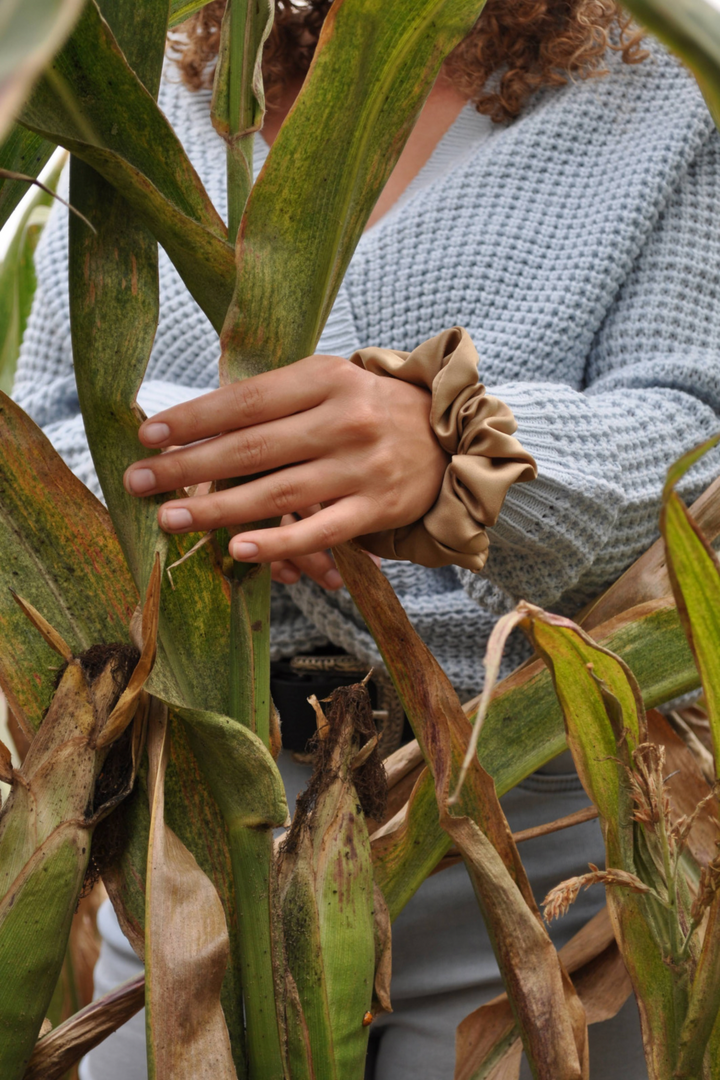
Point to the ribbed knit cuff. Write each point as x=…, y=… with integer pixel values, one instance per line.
x=551, y=529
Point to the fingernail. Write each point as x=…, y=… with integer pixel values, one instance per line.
x=333, y=580
x=176, y=519
x=156, y=433
x=244, y=550
x=290, y=577
x=140, y=480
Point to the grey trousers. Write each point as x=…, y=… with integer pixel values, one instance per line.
x=443, y=965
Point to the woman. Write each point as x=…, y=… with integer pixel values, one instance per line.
x=567, y=223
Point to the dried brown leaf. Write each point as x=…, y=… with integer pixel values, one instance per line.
x=485, y=1038
x=490, y=1034
x=186, y=945
x=509, y=1067
x=479, y=828
x=58, y=1051
x=124, y=711
x=383, y=953
x=55, y=640
x=7, y=773
x=402, y=762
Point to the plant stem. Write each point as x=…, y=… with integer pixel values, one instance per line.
x=240, y=144
x=249, y=648
x=702, y=1010
x=251, y=849
x=676, y=943
x=251, y=853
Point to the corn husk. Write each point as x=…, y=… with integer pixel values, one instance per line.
x=70, y=780
x=45, y=835
x=336, y=928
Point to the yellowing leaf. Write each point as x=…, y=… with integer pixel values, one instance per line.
x=533, y=975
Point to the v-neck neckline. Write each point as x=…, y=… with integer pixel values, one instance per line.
x=468, y=130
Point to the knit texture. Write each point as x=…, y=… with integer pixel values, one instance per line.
x=580, y=247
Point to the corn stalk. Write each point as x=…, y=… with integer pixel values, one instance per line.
x=292, y=966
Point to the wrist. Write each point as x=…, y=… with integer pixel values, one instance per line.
x=480, y=458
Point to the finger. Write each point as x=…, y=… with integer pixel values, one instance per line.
x=285, y=572
x=238, y=453
x=263, y=397
x=320, y=567
x=332, y=525
x=307, y=511
x=267, y=497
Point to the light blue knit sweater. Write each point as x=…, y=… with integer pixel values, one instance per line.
x=580, y=247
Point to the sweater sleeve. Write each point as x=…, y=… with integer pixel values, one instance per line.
x=652, y=391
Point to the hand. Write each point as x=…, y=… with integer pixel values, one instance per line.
x=324, y=432
x=320, y=566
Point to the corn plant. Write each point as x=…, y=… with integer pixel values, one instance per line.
x=146, y=698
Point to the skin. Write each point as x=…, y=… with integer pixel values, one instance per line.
x=340, y=446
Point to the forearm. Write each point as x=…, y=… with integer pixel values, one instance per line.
x=602, y=458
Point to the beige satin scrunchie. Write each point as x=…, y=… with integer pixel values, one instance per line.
x=477, y=430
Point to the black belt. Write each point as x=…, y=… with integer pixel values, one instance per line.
x=292, y=682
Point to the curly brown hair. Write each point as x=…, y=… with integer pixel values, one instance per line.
x=515, y=49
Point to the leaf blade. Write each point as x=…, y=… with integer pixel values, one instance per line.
x=534, y=977
x=79, y=581
x=374, y=65
x=31, y=36
x=187, y=946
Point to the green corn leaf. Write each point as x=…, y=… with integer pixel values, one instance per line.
x=605, y=721
x=248, y=789
x=31, y=35
x=113, y=311
x=92, y=102
x=69, y=565
x=403, y=859
x=524, y=729
x=46, y=895
x=241, y=772
x=692, y=29
x=17, y=280
x=113, y=317
x=374, y=66
x=589, y=683
x=180, y=10
x=238, y=104
x=21, y=151
x=695, y=576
